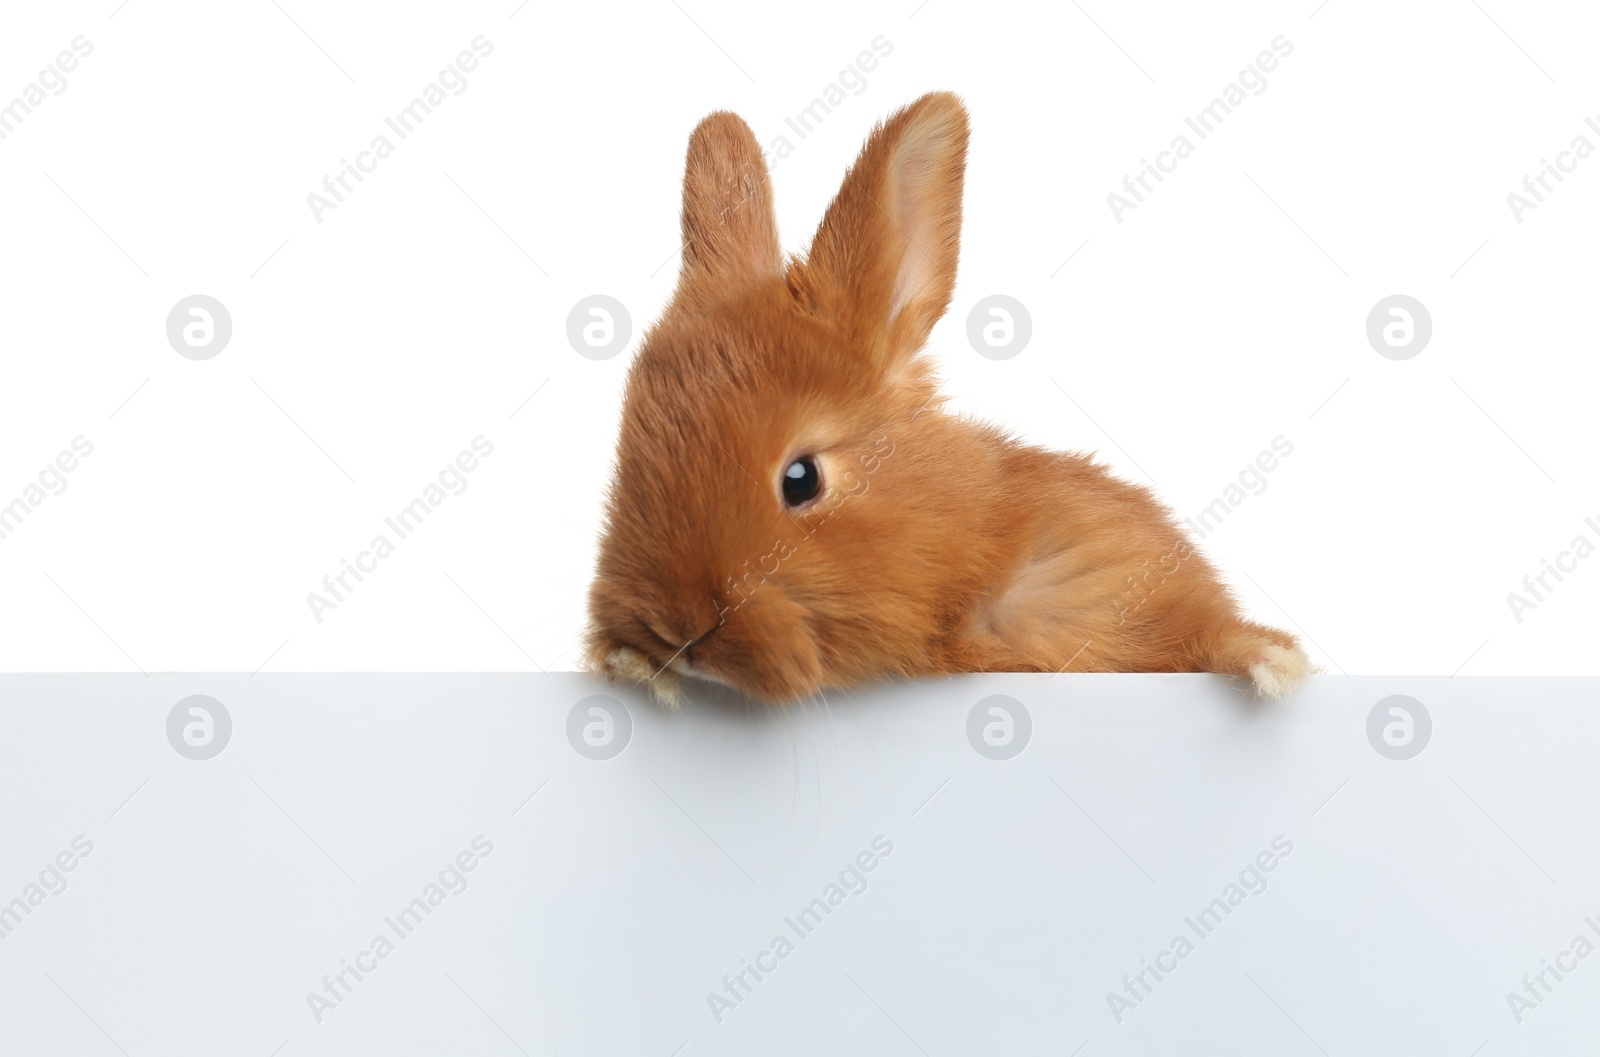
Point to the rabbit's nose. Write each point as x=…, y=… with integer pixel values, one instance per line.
x=688, y=649
x=678, y=644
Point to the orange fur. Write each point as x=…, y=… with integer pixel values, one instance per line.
x=939, y=545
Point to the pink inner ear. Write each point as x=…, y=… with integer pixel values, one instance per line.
x=912, y=276
x=914, y=213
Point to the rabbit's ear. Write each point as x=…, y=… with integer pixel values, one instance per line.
x=890, y=240
x=730, y=231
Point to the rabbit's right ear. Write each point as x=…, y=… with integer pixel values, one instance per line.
x=730, y=231
x=885, y=256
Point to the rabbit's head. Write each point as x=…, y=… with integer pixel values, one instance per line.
x=783, y=503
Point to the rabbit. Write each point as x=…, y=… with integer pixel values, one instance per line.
x=792, y=511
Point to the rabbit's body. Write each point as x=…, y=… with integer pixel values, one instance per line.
x=931, y=544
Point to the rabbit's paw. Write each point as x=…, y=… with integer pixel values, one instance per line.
x=628, y=664
x=1279, y=669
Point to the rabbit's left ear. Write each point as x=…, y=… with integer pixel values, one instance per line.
x=889, y=242
x=730, y=232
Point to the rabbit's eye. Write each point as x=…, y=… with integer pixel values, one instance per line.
x=801, y=481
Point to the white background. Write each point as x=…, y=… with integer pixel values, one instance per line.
x=369, y=348
x=430, y=307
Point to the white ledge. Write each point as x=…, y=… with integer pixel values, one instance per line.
x=984, y=905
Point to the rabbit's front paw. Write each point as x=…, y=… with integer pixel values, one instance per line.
x=1279, y=669
x=627, y=663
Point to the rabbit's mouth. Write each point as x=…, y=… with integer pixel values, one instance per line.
x=657, y=663
x=687, y=667
x=766, y=647
x=755, y=655
x=663, y=680
x=684, y=661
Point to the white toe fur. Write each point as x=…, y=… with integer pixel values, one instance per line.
x=1279, y=671
x=665, y=687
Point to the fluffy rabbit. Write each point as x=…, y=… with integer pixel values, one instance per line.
x=792, y=510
